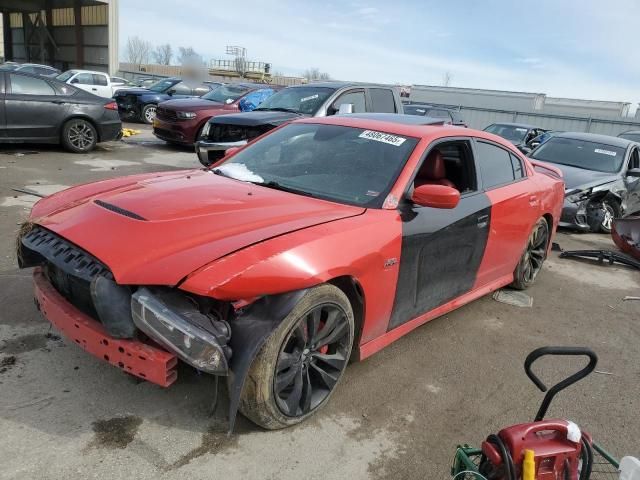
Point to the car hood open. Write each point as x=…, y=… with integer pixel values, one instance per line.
x=157, y=231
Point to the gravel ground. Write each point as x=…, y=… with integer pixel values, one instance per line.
x=399, y=414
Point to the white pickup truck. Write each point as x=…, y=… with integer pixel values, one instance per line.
x=98, y=83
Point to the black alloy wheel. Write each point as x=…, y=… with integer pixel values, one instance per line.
x=533, y=257
x=312, y=360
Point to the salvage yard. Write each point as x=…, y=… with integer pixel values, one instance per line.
x=398, y=414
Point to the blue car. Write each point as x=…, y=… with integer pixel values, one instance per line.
x=140, y=103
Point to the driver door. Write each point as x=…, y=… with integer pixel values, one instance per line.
x=633, y=183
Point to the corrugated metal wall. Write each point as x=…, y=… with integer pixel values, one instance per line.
x=481, y=118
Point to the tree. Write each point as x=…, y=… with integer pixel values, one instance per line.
x=447, y=78
x=188, y=56
x=315, y=74
x=138, y=50
x=163, y=54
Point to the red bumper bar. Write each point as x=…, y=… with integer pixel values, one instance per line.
x=134, y=357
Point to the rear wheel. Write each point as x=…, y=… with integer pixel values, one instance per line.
x=533, y=257
x=302, y=362
x=148, y=114
x=79, y=136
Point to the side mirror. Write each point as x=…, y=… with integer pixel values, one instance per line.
x=633, y=172
x=75, y=80
x=171, y=92
x=435, y=196
x=231, y=151
x=345, y=108
x=525, y=150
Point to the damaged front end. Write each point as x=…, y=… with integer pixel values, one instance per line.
x=585, y=210
x=142, y=329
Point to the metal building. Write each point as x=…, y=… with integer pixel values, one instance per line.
x=518, y=101
x=62, y=33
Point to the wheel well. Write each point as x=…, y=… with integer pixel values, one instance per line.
x=81, y=117
x=549, y=218
x=352, y=289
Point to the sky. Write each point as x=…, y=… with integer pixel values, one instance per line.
x=564, y=48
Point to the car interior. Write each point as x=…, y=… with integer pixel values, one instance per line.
x=449, y=164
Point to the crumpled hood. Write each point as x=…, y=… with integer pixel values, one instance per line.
x=581, y=178
x=192, y=104
x=257, y=117
x=156, y=231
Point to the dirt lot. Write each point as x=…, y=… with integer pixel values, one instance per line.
x=400, y=414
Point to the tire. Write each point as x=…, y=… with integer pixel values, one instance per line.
x=285, y=366
x=148, y=113
x=534, y=255
x=79, y=136
x=611, y=211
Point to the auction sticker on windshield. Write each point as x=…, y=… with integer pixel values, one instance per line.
x=605, y=152
x=382, y=137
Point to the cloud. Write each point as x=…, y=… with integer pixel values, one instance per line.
x=410, y=43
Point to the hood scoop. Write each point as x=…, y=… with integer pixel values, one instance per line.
x=114, y=208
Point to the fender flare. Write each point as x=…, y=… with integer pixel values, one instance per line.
x=249, y=331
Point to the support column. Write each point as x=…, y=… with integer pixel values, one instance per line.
x=49, y=26
x=25, y=32
x=8, y=40
x=77, y=13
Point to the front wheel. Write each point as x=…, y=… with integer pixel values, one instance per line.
x=302, y=362
x=148, y=114
x=611, y=211
x=79, y=136
x=533, y=257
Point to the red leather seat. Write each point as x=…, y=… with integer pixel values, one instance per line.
x=433, y=171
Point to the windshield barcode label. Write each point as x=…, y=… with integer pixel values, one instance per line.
x=382, y=137
x=605, y=152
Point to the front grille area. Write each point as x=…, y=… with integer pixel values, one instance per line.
x=166, y=114
x=69, y=268
x=233, y=133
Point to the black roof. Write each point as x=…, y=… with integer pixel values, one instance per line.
x=594, y=137
x=398, y=118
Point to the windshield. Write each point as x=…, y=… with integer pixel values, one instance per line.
x=508, y=132
x=599, y=157
x=305, y=100
x=63, y=77
x=343, y=164
x=635, y=136
x=226, y=93
x=163, y=85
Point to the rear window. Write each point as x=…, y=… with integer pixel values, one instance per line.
x=382, y=100
x=572, y=152
x=508, y=132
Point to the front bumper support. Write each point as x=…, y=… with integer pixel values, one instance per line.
x=132, y=356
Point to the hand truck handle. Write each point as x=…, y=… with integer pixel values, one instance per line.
x=563, y=351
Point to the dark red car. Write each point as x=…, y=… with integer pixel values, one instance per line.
x=324, y=240
x=180, y=121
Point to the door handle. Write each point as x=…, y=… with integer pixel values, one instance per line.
x=94, y=89
x=483, y=221
x=58, y=102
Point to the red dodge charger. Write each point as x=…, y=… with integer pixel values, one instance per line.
x=323, y=240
